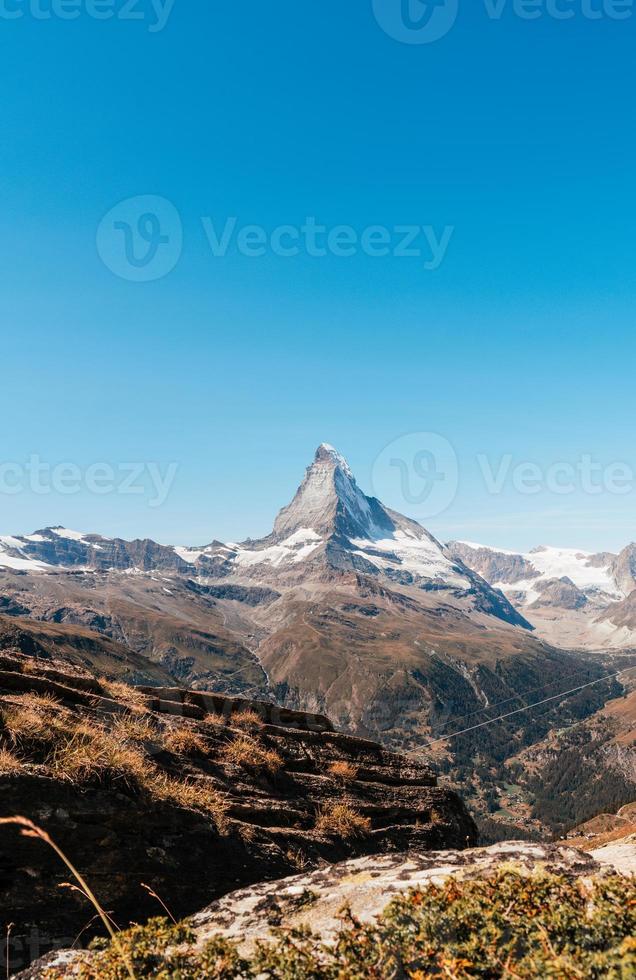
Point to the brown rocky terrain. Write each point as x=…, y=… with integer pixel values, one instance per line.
x=190, y=794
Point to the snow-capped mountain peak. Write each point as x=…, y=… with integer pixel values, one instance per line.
x=332, y=525
x=330, y=502
x=326, y=452
x=329, y=530
x=526, y=571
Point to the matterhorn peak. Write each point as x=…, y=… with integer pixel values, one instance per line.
x=327, y=454
x=328, y=500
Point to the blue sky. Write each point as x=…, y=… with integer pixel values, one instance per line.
x=518, y=135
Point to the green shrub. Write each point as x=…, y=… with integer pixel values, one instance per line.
x=509, y=925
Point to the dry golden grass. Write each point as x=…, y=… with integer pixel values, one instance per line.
x=83, y=752
x=344, y=772
x=185, y=741
x=341, y=820
x=118, y=691
x=214, y=719
x=30, y=665
x=9, y=764
x=95, y=755
x=195, y=795
x=248, y=718
x=30, y=721
x=297, y=858
x=44, y=701
x=250, y=754
x=134, y=728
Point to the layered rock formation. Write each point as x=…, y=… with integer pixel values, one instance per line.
x=190, y=794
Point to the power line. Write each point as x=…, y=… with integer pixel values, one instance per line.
x=523, y=694
x=526, y=707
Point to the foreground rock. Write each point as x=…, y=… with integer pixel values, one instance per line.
x=367, y=884
x=185, y=793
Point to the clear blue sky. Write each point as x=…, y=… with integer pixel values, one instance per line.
x=519, y=134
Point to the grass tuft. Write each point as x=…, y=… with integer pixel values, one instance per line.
x=194, y=795
x=247, y=718
x=341, y=820
x=31, y=722
x=131, y=727
x=92, y=755
x=185, y=741
x=118, y=691
x=343, y=772
x=250, y=754
x=9, y=763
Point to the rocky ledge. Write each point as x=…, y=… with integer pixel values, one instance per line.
x=189, y=795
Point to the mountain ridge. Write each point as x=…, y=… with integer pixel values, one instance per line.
x=573, y=598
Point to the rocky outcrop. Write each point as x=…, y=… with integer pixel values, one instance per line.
x=492, y=565
x=366, y=885
x=624, y=569
x=315, y=900
x=560, y=594
x=120, y=833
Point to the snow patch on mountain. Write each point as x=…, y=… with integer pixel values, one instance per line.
x=550, y=563
x=190, y=555
x=422, y=557
x=486, y=547
x=12, y=556
x=575, y=565
x=296, y=548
